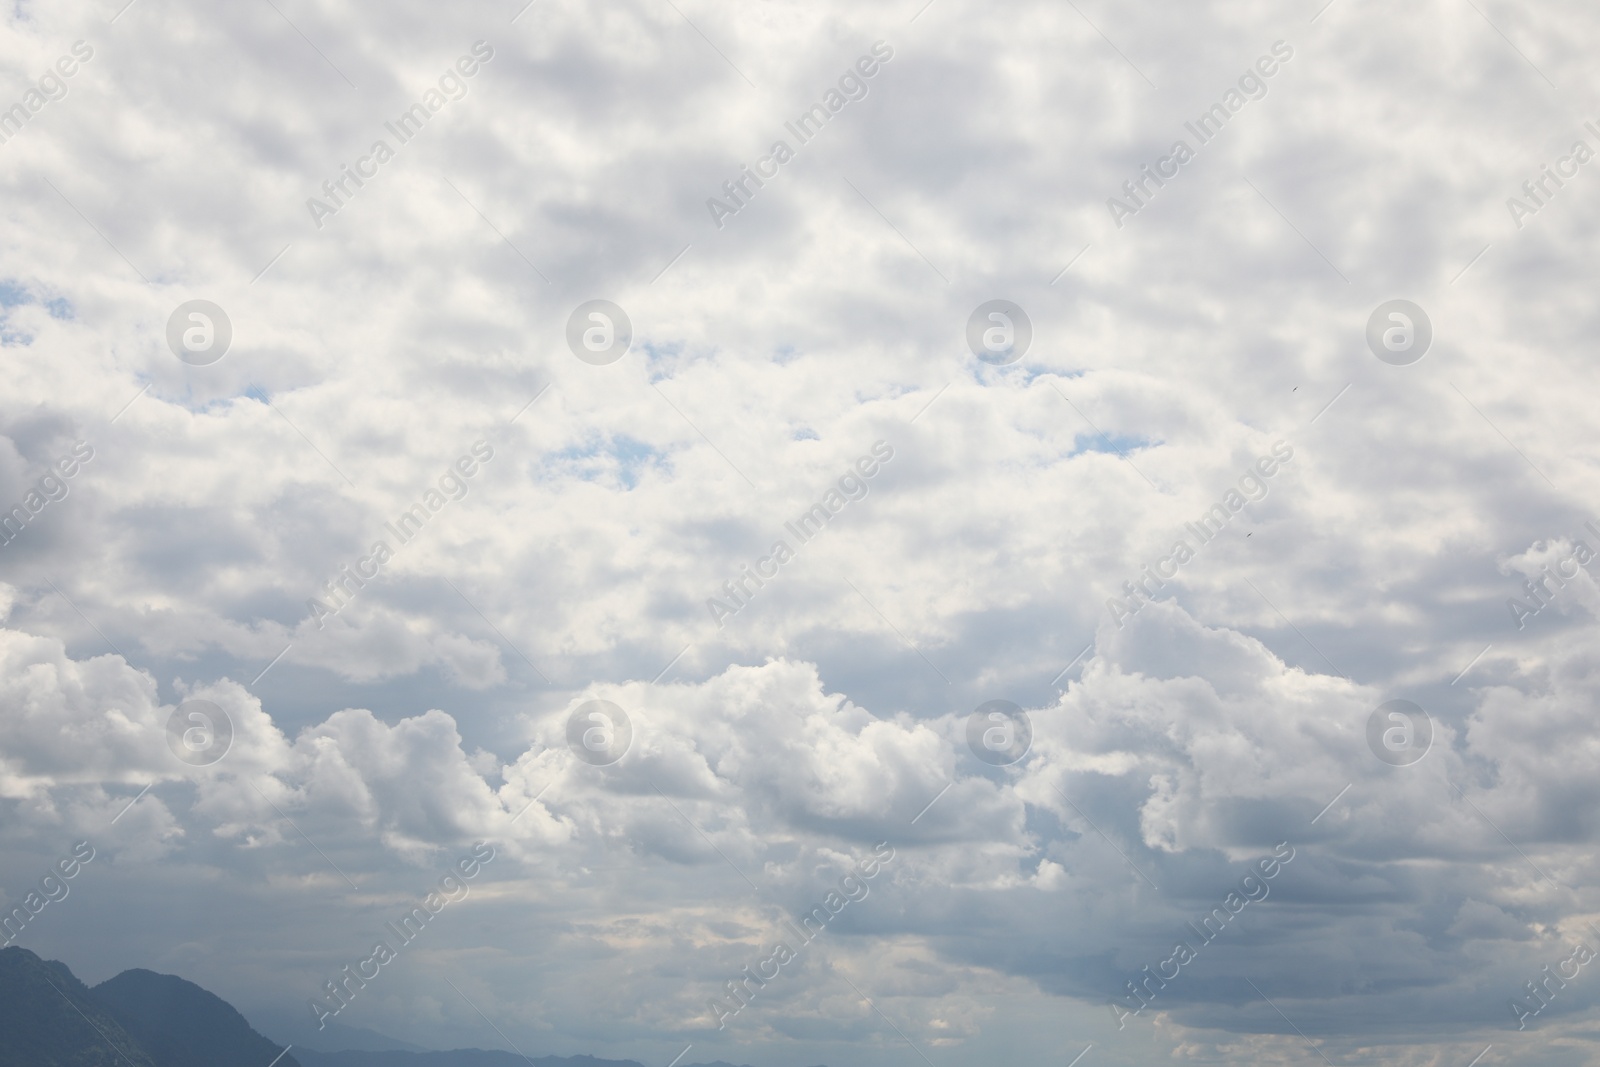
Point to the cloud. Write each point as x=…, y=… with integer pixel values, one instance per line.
x=372, y=744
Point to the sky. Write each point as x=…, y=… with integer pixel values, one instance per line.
x=713, y=554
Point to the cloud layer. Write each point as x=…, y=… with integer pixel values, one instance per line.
x=218, y=539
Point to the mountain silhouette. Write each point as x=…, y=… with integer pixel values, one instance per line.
x=50, y=1019
x=138, y=1019
x=296, y=1028
x=182, y=1025
x=462, y=1057
x=143, y=1019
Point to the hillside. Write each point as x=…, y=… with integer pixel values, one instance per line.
x=138, y=1019
x=50, y=1019
x=143, y=1019
x=182, y=1025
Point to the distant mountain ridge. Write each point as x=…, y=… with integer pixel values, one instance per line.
x=295, y=1028
x=463, y=1057
x=183, y=1025
x=48, y=1018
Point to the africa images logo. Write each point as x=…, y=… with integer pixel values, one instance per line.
x=199, y=332
x=199, y=732
x=852, y=86
x=599, y=732
x=452, y=887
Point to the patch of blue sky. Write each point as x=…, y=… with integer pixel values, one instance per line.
x=621, y=456
x=1033, y=371
x=661, y=359
x=14, y=294
x=1115, y=444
